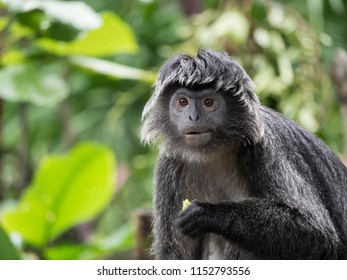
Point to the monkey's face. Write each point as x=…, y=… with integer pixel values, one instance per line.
x=201, y=107
x=196, y=115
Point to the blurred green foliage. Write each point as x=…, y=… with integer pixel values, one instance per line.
x=66, y=190
x=76, y=71
x=27, y=83
x=8, y=251
x=283, y=55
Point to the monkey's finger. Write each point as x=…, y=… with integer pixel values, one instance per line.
x=182, y=220
x=191, y=213
x=186, y=220
x=191, y=229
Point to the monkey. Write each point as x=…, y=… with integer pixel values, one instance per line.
x=260, y=185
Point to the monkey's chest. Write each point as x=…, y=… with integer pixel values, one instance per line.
x=217, y=248
x=214, y=185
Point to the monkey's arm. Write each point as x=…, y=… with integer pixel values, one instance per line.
x=169, y=242
x=271, y=229
x=164, y=206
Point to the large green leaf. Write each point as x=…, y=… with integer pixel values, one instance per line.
x=42, y=85
x=75, y=13
x=119, y=241
x=66, y=190
x=114, y=36
x=112, y=69
x=7, y=250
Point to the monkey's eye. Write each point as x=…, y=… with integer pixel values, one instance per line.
x=209, y=102
x=183, y=102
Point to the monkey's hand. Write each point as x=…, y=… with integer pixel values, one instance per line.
x=196, y=219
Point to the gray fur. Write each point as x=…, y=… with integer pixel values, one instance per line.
x=265, y=187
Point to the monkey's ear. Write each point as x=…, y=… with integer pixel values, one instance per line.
x=151, y=128
x=158, y=90
x=149, y=105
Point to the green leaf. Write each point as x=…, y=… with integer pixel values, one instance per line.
x=71, y=252
x=42, y=26
x=7, y=251
x=114, y=36
x=34, y=19
x=75, y=13
x=337, y=6
x=37, y=85
x=114, y=70
x=119, y=241
x=277, y=42
x=12, y=57
x=61, y=31
x=285, y=68
x=261, y=37
x=3, y=22
x=258, y=10
x=66, y=190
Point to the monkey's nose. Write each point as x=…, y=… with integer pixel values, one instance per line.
x=194, y=118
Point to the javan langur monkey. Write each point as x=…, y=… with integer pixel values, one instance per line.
x=261, y=186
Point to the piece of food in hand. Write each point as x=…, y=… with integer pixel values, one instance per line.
x=186, y=203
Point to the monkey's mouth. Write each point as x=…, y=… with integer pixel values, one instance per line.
x=197, y=138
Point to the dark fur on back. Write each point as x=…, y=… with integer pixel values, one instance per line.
x=291, y=165
x=266, y=188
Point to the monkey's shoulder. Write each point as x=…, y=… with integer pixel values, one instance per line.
x=280, y=132
x=286, y=147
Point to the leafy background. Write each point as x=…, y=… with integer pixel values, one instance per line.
x=75, y=75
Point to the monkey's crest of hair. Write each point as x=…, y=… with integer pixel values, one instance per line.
x=209, y=67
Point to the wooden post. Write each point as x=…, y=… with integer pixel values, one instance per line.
x=143, y=234
x=339, y=77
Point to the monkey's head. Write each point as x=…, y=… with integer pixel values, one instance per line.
x=202, y=106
